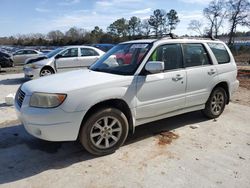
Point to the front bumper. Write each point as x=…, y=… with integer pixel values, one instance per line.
x=49, y=124
x=31, y=73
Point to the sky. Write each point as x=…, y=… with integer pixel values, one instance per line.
x=42, y=16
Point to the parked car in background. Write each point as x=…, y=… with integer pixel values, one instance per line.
x=45, y=51
x=102, y=104
x=5, y=60
x=103, y=47
x=20, y=56
x=60, y=60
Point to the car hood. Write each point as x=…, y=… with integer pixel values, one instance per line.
x=35, y=59
x=73, y=80
x=44, y=62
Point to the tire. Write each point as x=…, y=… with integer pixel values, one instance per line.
x=216, y=103
x=100, y=138
x=46, y=72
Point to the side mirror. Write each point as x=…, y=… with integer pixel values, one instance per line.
x=154, y=66
x=58, y=56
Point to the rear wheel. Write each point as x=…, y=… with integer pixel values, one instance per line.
x=216, y=103
x=46, y=72
x=104, y=132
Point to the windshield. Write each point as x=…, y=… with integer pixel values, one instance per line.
x=54, y=52
x=123, y=59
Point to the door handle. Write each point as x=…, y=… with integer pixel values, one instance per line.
x=177, y=78
x=211, y=72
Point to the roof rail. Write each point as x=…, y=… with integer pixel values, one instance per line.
x=171, y=35
x=210, y=37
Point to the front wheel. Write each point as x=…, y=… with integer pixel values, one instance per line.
x=216, y=103
x=104, y=132
x=46, y=72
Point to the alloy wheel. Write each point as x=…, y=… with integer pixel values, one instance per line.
x=106, y=132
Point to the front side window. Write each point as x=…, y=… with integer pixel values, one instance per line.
x=220, y=52
x=123, y=59
x=21, y=52
x=71, y=52
x=54, y=52
x=170, y=54
x=88, y=52
x=31, y=52
x=195, y=55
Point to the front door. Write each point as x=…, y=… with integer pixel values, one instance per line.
x=161, y=93
x=68, y=60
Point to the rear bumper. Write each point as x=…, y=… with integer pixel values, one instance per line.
x=234, y=87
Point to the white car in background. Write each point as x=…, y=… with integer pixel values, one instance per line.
x=20, y=56
x=60, y=60
x=101, y=105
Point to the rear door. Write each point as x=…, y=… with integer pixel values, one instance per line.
x=68, y=60
x=201, y=74
x=87, y=57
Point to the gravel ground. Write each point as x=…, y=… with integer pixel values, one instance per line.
x=166, y=153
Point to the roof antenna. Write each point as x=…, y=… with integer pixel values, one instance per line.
x=173, y=36
x=212, y=37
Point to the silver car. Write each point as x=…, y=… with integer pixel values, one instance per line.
x=62, y=59
x=20, y=56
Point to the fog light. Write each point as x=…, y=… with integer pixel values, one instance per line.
x=38, y=132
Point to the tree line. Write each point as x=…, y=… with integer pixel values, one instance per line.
x=161, y=22
x=235, y=12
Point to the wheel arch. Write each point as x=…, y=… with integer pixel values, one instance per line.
x=115, y=103
x=48, y=67
x=225, y=86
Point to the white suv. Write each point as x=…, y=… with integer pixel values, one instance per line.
x=134, y=83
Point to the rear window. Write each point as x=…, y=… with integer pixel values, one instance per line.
x=220, y=52
x=195, y=55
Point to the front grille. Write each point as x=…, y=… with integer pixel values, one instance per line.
x=20, y=97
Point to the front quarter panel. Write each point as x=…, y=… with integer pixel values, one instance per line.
x=83, y=99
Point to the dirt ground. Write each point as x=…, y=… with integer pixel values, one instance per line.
x=183, y=151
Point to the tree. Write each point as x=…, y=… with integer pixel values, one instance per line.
x=238, y=14
x=75, y=35
x=195, y=25
x=215, y=13
x=145, y=28
x=134, y=25
x=96, y=35
x=55, y=36
x=119, y=28
x=158, y=22
x=172, y=20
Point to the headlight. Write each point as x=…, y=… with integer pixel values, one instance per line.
x=46, y=100
x=33, y=66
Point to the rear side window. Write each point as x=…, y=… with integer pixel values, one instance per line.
x=88, y=52
x=170, y=54
x=220, y=52
x=31, y=52
x=195, y=55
